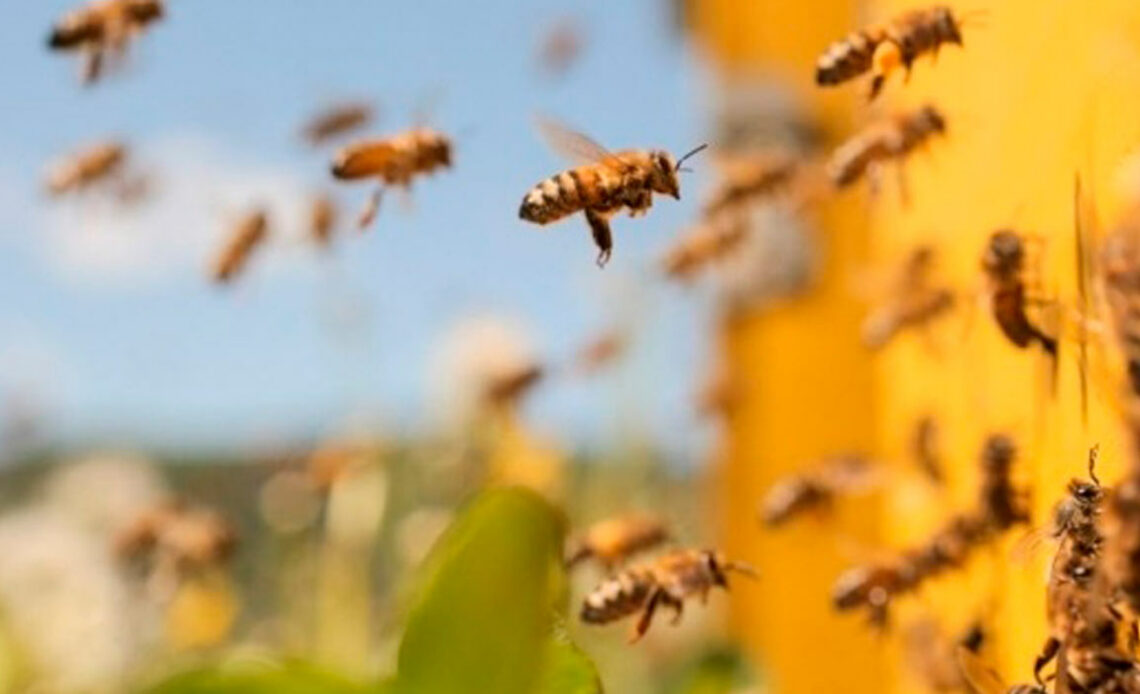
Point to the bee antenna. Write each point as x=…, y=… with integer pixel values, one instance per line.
x=690, y=153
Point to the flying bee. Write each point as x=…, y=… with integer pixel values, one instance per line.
x=817, y=489
x=756, y=177
x=1004, y=266
x=891, y=139
x=601, y=351
x=709, y=241
x=604, y=185
x=174, y=532
x=249, y=233
x=883, y=49
x=560, y=47
x=103, y=29
x=394, y=160
x=322, y=219
x=614, y=540
x=337, y=120
x=90, y=165
x=913, y=302
x=668, y=580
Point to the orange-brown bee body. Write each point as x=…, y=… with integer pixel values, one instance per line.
x=751, y=178
x=892, y=139
x=706, y=243
x=103, y=28
x=250, y=233
x=1004, y=265
x=612, y=541
x=86, y=167
x=335, y=121
x=793, y=496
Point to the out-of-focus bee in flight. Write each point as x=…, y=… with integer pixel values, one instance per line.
x=337, y=120
x=605, y=184
x=745, y=179
x=601, y=351
x=250, y=232
x=912, y=302
x=174, y=532
x=560, y=47
x=611, y=542
x=892, y=139
x=1004, y=266
x=818, y=489
x=101, y=164
x=925, y=449
x=709, y=241
x=882, y=49
x=394, y=161
x=101, y=31
x=668, y=580
x=323, y=215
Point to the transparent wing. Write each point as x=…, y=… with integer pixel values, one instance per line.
x=983, y=679
x=571, y=144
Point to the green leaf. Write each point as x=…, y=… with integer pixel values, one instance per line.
x=259, y=678
x=482, y=612
x=567, y=670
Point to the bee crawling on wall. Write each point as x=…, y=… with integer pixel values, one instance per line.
x=912, y=303
x=612, y=541
x=603, y=185
x=892, y=139
x=102, y=30
x=248, y=234
x=336, y=120
x=817, y=489
x=883, y=49
x=395, y=161
x=668, y=580
x=1003, y=263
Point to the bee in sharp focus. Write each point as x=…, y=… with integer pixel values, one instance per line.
x=1004, y=266
x=816, y=489
x=912, y=302
x=395, y=161
x=604, y=185
x=337, y=120
x=612, y=541
x=101, y=30
x=891, y=139
x=668, y=580
x=249, y=233
x=883, y=49
x=709, y=241
x=322, y=219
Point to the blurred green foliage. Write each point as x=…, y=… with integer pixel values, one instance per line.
x=716, y=671
x=250, y=678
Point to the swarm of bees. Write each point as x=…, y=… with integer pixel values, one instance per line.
x=102, y=30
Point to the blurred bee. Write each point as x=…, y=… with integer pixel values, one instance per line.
x=711, y=240
x=250, y=232
x=102, y=29
x=337, y=120
x=1120, y=259
x=175, y=533
x=322, y=219
x=668, y=580
x=395, y=161
x=924, y=447
x=90, y=165
x=1004, y=266
x=983, y=679
x=883, y=49
x=746, y=179
x=912, y=303
x=560, y=47
x=891, y=139
x=932, y=655
x=508, y=388
x=614, y=540
x=605, y=184
x=602, y=351
x=816, y=489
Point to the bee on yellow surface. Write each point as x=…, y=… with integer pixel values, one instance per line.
x=612, y=541
x=883, y=49
x=702, y=246
x=249, y=233
x=746, y=179
x=82, y=169
x=322, y=219
x=912, y=303
x=668, y=580
x=817, y=489
x=102, y=30
x=604, y=185
x=337, y=120
x=394, y=161
x=1004, y=266
x=891, y=139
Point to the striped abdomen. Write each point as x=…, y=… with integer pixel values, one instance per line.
x=617, y=597
x=847, y=59
x=604, y=187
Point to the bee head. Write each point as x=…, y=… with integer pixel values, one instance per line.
x=1084, y=492
x=145, y=10
x=1005, y=253
x=947, y=25
x=664, y=179
x=436, y=147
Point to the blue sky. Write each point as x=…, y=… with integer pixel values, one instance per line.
x=137, y=346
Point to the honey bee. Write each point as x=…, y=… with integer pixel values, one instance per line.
x=81, y=170
x=668, y=580
x=395, y=161
x=604, y=185
x=816, y=489
x=322, y=219
x=1004, y=264
x=337, y=120
x=614, y=540
x=186, y=537
x=912, y=303
x=745, y=179
x=1000, y=506
x=250, y=232
x=706, y=243
x=883, y=49
x=891, y=139
x=103, y=29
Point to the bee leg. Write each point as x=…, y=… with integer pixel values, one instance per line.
x=371, y=207
x=886, y=59
x=603, y=238
x=678, y=610
x=92, y=66
x=1048, y=652
x=647, y=615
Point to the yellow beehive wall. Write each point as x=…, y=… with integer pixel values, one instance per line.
x=1041, y=92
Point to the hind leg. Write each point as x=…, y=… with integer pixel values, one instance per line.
x=1048, y=652
x=603, y=238
x=647, y=614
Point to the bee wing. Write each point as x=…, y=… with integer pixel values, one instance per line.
x=1029, y=544
x=571, y=144
x=982, y=678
